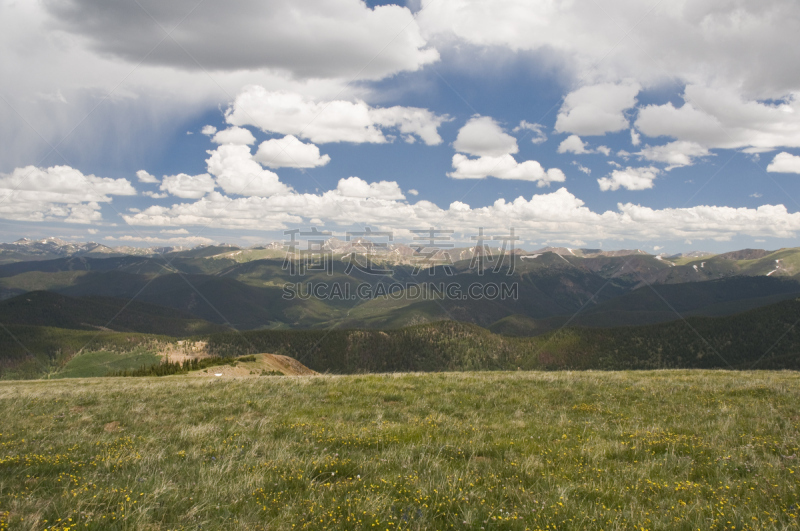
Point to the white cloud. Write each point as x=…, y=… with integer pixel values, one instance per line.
x=635, y=138
x=719, y=118
x=62, y=184
x=537, y=130
x=736, y=44
x=174, y=231
x=237, y=172
x=410, y=121
x=289, y=152
x=329, y=121
x=573, y=144
x=629, y=178
x=92, y=231
x=355, y=187
x=481, y=136
x=504, y=167
x=581, y=167
x=217, y=210
x=208, y=130
x=742, y=81
x=785, y=163
x=57, y=193
x=234, y=135
x=145, y=177
x=188, y=186
x=154, y=240
x=413, y=192
x=554, y=216
x=675, y=154
x=84, y=213
x=155, y=195
x=597, y=109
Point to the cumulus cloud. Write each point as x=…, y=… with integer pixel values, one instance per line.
x=785, y=163
x=329, y=121
x=154, y=240
x=597, y=109
x=145, y=177
x=84, y=213
x=675, y=154
x=411, y=122
x=742, y=82
x=237, y=172
x=289, y=152
x=574, y=144
x=554, y=216
x=57, y=193
x=736, y=44
x=482, y=136
x=504, y=167
x=208, y=130
x=355, y=187
x=720, y=118
x=537, y=131
x=234, y=135
x=155, y=195
x=629, y=178
x=327, y=38
x=188, y=186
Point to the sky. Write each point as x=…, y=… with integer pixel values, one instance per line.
x=663, y=126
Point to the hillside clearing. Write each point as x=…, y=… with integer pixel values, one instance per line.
x=500, y=450
x=264, y=364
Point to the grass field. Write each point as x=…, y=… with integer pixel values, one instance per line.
x=500, y=450
x=93, y=364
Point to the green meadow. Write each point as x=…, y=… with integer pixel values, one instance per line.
x=481, y=450
x=101, y=363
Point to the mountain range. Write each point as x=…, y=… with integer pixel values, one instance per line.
x=213, y=289
x=243, y=288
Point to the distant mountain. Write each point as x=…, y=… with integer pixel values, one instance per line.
x=43, y=308
x=231, y=286
x=763, y=338
x=51, y=248
x=586, y=253
x=690, y=254
x=47, y=249
x=662, y=303
x=783, y=263
x=745, y=254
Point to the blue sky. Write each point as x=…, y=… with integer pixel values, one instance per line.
x=662, y=127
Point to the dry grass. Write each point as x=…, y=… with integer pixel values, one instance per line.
x=264, y=364
x=617, y=450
